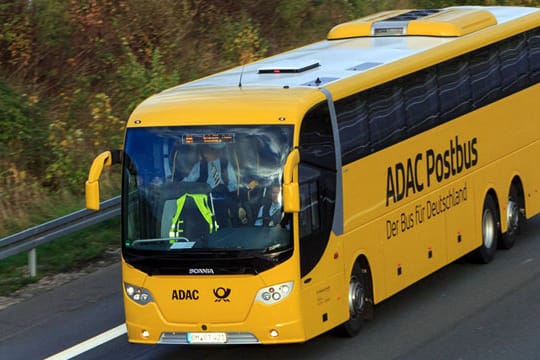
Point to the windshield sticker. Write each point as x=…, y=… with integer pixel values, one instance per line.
x=182, y=245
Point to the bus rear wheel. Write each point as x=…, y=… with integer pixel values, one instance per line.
x=514, y=218
x=490, y=233
x=360, y=305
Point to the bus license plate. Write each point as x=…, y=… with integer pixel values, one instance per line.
x=207, y=338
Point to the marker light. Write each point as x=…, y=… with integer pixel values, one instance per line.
x=273, y=294
x=145, y=334
x=140, y=295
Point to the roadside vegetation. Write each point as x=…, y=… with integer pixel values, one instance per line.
x=71, y=71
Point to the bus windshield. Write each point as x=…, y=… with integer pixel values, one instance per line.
x=205, y=192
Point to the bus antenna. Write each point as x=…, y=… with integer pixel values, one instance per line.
x=241, y=74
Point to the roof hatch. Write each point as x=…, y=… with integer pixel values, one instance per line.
x=429, y=22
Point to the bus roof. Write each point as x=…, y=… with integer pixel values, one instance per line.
x=352, y=59
x=226, y=105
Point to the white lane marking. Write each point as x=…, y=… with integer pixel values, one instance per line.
x=89, y=344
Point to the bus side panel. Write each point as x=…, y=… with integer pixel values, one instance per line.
x=523, y=117
x=462, y=225
x=510, y=146
x=324, y=291
x=531, y=177
x=420, y=201
x=405, y=253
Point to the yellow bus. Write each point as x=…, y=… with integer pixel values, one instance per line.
x=402, y=142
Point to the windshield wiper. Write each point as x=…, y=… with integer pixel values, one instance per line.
x=150, y=241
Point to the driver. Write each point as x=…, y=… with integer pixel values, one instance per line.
x=215, y=169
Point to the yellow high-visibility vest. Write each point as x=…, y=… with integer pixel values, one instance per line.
x=201, y=201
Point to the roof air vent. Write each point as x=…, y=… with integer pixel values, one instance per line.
x=289, y=67
x=430, y=22
x=397, y=25
x=364, y=66
x=413, y=15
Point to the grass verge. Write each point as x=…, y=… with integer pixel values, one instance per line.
x=23, y=207
x=65, y=254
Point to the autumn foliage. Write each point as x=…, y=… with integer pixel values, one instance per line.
x=71, y=71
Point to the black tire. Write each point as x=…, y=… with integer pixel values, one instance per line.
x=490, y=233
x=359, y=300
x=514, y=218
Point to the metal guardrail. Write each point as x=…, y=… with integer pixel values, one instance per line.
x=31, y=238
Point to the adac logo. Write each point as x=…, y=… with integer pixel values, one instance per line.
x=222, y=294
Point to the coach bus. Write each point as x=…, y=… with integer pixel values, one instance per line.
x=403, y=141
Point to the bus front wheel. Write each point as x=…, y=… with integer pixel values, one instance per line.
x=359, y=300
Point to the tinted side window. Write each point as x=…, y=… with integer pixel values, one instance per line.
x=514, y=64
x=382, y=116
x=316, y=140
x=454, y=89
x=386, y=115
x=309, y=217
x=485, y=76
x=352, y=114
x=420, y=95
x=534, y=55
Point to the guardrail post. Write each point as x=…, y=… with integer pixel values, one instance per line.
x=32, y=265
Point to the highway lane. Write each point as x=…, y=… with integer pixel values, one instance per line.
x=463, y=311
x=54, y=320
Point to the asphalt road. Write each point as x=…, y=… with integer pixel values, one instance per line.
x=461, y=312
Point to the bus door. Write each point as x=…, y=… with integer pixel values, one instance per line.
x=321, y=271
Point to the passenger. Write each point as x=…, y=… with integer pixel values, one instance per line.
x=271, y=212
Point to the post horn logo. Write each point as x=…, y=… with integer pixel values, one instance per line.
x=222, y=294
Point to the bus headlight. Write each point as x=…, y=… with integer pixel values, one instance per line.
x=273, y=294
x=140, y=295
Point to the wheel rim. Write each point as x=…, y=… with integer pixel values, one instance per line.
x=512, y=216
x=488, y=227
x=356, y=297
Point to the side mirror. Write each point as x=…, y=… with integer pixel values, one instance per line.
x=291, y=188
x=106, y=158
